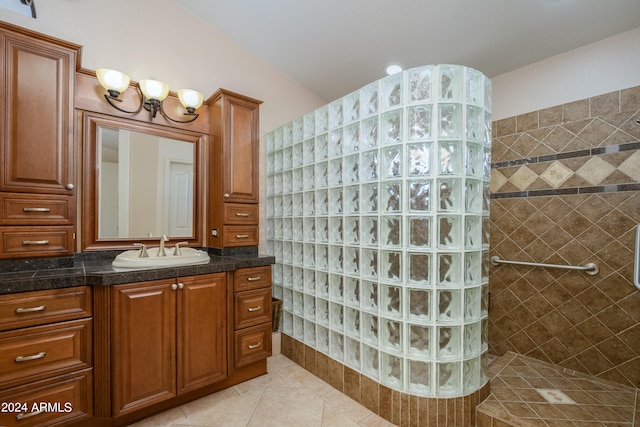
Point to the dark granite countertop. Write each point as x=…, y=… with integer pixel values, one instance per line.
x=35, y=275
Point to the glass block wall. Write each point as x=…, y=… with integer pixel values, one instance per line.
x=378, y=216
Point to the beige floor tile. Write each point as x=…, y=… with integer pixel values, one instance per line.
x=223, y=409
x=284, y=407
x=346, y=405
x=373, y=420
x=333, y=417
x=164, y=419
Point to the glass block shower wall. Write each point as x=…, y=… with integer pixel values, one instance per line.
x=378, y=216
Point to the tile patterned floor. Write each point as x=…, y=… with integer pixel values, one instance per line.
x=287, y=396
x=516, y=400
x=290, y=396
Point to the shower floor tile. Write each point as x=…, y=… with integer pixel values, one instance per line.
x=522, y=388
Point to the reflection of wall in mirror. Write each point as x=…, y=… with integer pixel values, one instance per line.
x=146, y=185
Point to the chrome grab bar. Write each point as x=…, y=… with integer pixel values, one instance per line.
x=590, y=268
x=636, y=269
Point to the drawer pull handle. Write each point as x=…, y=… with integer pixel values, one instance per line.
x=29, y=358
x=242, y=214
x=22, y=416
x=242, y=236
x=253, y=279
x=252, y=346
x=252, y=309
x=36, y=210
x=35, y=242
x=30, y=309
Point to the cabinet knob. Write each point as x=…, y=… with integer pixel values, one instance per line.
x=180, y=285
x=70, y=186
x=226, y=195
x=174, y=286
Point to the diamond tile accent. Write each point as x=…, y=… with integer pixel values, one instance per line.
x=631, y=166
x=523, y=178
x=497, y=180
x=556, y=174
x=595, y=170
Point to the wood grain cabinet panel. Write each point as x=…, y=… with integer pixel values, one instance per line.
x=234, y=160
x=36, y=209
x=168, y=338
x=67, y=399
x=42, y=351
x=252, y=315
x=37, y=150
x=46, y=356
x=252, y=308
x=44, y=307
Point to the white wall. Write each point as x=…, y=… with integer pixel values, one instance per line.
x=602, y=67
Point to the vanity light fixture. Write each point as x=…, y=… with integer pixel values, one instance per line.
x=152, y=94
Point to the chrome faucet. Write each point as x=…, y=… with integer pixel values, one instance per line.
x=161, y=251
x=176, y=250
x=143, y=250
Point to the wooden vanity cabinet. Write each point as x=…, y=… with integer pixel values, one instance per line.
x=234, y=169
x=37, y=80
x=168, y=337
x=46, y=357
x=252, y=315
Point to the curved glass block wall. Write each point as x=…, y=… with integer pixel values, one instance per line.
x=378, y=216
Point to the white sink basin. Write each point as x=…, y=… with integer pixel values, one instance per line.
x=189, y=256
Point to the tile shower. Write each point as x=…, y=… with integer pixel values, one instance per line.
x=378, y=215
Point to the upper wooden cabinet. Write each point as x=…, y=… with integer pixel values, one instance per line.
x=234, y=168
x=37, y=87
x=37, y=167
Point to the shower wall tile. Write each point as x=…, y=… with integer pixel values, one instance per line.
x=566, y=190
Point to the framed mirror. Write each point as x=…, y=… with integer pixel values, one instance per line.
x=140, y=181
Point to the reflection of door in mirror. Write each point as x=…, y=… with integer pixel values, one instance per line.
x=145, y=185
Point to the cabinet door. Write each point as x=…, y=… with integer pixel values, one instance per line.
x=37, y=109
x=143, y=346
x=240, y=151
x=202, y=323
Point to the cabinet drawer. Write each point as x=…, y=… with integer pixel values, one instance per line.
x=42, y=307
x=35, y=353
x=245, y=279
x=65, y=399
x=252, y=344
x=29, y=209
x=21, y=242
x=239, y=213
x=238, y=235
x=252, y=308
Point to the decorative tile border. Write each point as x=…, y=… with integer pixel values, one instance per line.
x=616, y=167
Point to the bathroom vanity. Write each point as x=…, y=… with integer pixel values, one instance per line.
x=83, y=342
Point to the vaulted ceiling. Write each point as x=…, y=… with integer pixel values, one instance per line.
x=333, y=47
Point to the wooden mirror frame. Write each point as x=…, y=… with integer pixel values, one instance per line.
x=90, y=241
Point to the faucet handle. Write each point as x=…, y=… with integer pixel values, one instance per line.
x=143, y=250
x=177, y=250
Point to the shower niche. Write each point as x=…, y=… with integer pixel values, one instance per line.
x=377, y=214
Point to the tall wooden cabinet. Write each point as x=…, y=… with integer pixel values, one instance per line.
x=233, y=169
x=37, y=182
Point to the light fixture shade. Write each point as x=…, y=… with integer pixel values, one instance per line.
x=113, y=80
x=190, y=98
x=154, y=89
